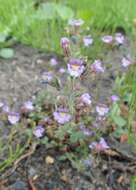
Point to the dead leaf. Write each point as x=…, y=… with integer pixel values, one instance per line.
x=120, y=179
x=133, y=126
x=111, y=152
x=124, y=110
x=123, y=137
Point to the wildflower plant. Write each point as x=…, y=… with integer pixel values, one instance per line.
x=68, y=124
x=60, y=115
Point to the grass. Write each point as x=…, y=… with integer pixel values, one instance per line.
x=21, y=20
x=133, y=182
x=34, y=26
x=106, y=15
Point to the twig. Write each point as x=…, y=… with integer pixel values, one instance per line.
x=32, y=186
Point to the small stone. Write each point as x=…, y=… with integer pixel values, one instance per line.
x=64, y=178
x=40, y=61
x=19, y=185
x=32, y=172
x=49, y=160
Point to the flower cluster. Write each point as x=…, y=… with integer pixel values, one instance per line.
x=118, y=38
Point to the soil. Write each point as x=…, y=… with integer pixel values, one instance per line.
x=20, y=80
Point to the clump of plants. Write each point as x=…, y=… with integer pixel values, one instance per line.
x=64, y=116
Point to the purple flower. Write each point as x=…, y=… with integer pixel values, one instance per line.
x=86, y=98
x=61, y=115
x=38, y=131
x=47, y=76
x=5, y=108
x=29, y=105
x=62, y=70
x=97, y=66
x=75, y=22
x=85, y=130
x=87, y=41
x=114, y=98
x=99, y=146
x=86, y=162
x=46, y=118
x=102, y=109
x=107, y=39
x=126, y=61
x=53, y=62
x=75, y=67
x=65, y=44
x=13, y=118
x=119, y=38
x=1, y=104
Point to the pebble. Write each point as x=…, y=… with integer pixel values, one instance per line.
x=49, y=160
x=18, y=185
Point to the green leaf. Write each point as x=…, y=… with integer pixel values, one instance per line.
x=77, y=136
x=115, y=110
x=64, y=12
x=120, y=121
x=47, y=11
x=2, y=37
x=54, y=10
x=6, y=53
x=45, y=140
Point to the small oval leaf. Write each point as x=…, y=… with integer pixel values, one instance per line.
x=6, y=53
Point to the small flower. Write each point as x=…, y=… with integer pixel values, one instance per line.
x=97, y=66
x=86, y=98
x=107, y=39
x=38, y=131
x=47, y=76
x=5, y=108
x=85, y=130
x=114, y=98
x=65, y=44
x=99, y=146
x=86, y=162
x=29, y=105
x=1, y=104
x=46, y=119
x=102, y=109
x=119, y=38
x=75, y=67
x=53, y=62
x=87, y=41
x=13, y=118
x=126, y=61
x=75, y=22
x=61, y=115
x=62, y=70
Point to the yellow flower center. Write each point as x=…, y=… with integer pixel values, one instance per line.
x=62, y=114
x=75, y=67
